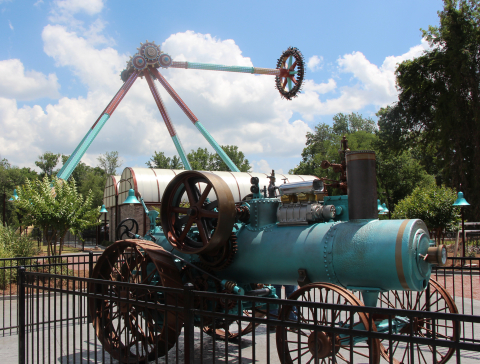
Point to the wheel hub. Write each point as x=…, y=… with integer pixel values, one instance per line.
x=320, y=342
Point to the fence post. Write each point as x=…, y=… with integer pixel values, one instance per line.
x=90, y=273
x=188, y=328
x=21, y=314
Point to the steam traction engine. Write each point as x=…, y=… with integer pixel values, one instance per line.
x=330, y=246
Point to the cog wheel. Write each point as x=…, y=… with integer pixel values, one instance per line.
x=165, y=60
x=138, y=62
x=223, y=257
x=151, y=52
x=292, y=71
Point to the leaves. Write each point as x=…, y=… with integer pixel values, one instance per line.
x=432, y=204
x=56, y=206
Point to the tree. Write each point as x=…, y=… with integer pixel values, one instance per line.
x=47, y=162
x=109, y=162
x=159, y=160
x=56, y=206
x=237, y=157
x=433, y=205
x=201, y=160
x=439, y=99
x=324, y=143
x=10, y=178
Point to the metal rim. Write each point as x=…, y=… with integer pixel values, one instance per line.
x=232, y=331
x=213, y=220
x=316, y=346
x=290, y=80
x=440, y=301
x=131, y=333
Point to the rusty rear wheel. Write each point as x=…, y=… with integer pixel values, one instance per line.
x=324, y=346
x=139, y=330
x=434, y=299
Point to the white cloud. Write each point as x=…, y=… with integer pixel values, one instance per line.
x=10, y=25
x=91, y=7
x=371, y=85
x=239, y=109
x=38, y=3
x=16, y=83
x=315, y=63
x=64, y=11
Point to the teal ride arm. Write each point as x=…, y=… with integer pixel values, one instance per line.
x=60, y=174
x=221, y=67
x=82, y=148
x=180, y=150
x=217, y=147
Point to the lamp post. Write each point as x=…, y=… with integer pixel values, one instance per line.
x=384, y=209
x=130, y=200
x=104, y=211
x=461, y=202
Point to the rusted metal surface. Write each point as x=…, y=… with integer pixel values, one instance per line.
x=129, y=334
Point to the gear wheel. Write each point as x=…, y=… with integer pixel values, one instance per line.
x=165, y=60
x=138, y=62
x=292, y=71
x=223, y=257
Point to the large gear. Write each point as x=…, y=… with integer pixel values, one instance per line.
x=165, y=60
x=138, y=62
x=290, y=80
x=223, y=257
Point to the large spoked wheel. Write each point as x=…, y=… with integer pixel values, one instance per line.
x=433, y=299
x=319, y=346
x=127, y=228
x=133, y=332
x=292, y=72
x=235, y=329
x=193, y=222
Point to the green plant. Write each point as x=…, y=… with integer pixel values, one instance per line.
x=57, y=207
x=433, y=205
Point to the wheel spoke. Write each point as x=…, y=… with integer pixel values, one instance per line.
x=186, y=229
x=203, y=232
x=180, y=210
x=204, y=195
x=190, y=192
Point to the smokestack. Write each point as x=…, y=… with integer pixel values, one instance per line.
x=361, y=185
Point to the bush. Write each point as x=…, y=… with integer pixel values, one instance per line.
x=433, y=205
x=14, y=245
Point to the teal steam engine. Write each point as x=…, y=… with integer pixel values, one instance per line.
x=334, y=248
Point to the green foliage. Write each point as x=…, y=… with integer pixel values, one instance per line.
x=202, y=160
x=89, y=178
x=56, y=206
x=10, y=178
x=160, y=161
x=47, y=162
x=439, y=100
x=432, y=204
x=109, y=162
x=237, y=157
x=13, y=245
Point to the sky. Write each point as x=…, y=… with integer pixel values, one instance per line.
x=60, y=64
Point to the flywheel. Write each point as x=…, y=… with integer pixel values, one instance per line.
x=198, y=212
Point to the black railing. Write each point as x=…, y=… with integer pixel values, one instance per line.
x=136, y=323
x=78, y=265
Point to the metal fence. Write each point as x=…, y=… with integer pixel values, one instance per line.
x=78, y=265
x=408, y=327
x=141, y=323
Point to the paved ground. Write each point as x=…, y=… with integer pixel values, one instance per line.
x=78, y=343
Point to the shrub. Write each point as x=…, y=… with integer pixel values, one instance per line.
x=433, y=205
